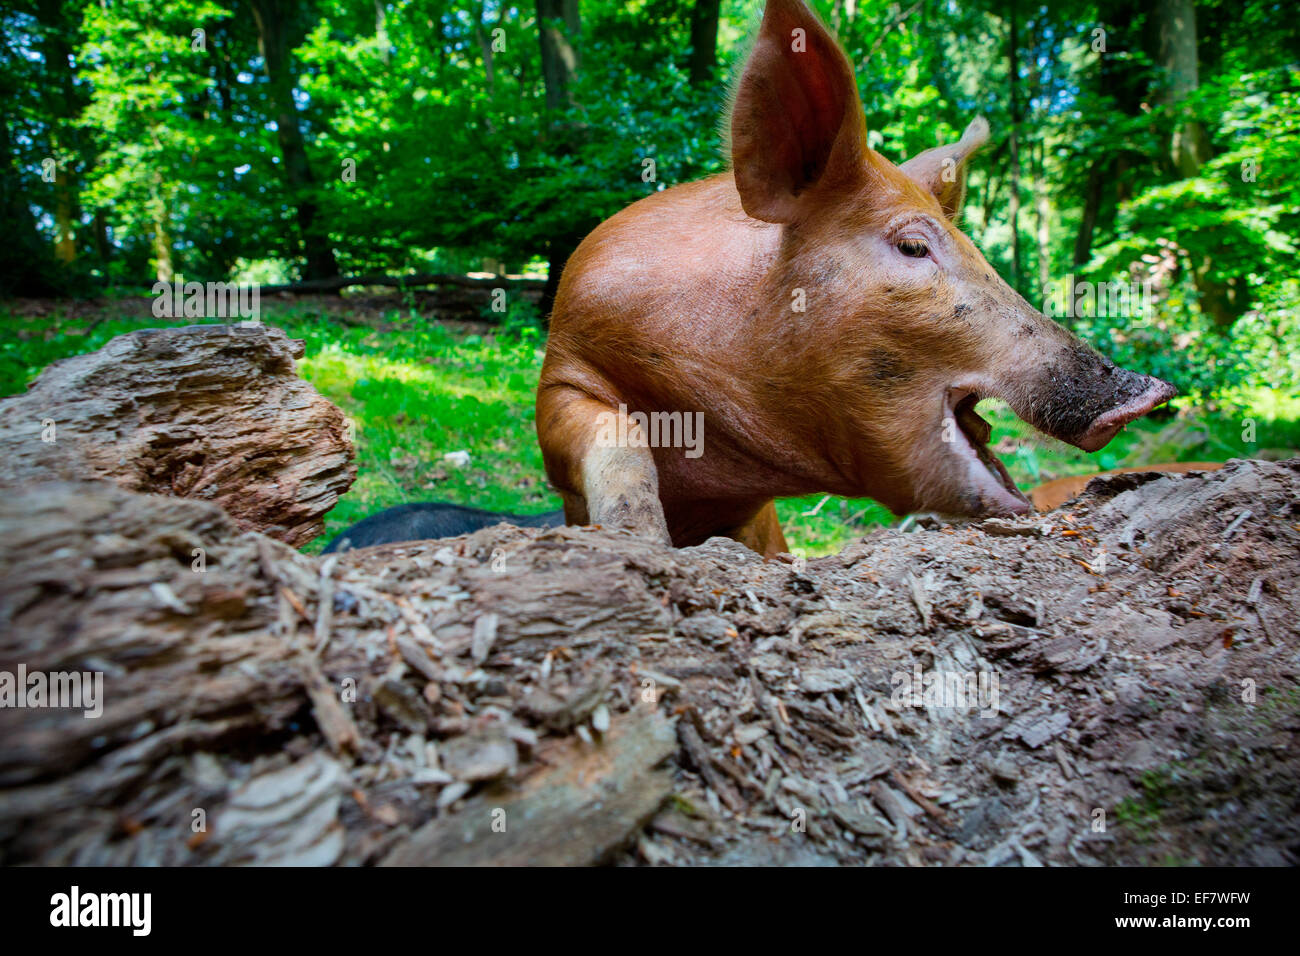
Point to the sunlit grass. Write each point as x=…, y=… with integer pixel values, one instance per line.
x=419, y=394
x=1268, y=403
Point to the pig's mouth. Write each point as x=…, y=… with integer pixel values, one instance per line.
x=989, y=488
x=992, y=490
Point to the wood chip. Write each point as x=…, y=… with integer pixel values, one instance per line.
x=588, y=802
x=485, y=635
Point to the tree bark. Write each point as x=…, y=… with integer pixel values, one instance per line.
x=1013, y=175
x=64, y=137
x=483, y=34
x=1091, y=207
x=27, y=266
x=558, y=22
x=100, y=237
x=274, y=29
x=704, y=41
x=1176, y=52
x=67, y=215
x=1189, y=147
x=1043, y=248
x=381, y=30
x=222, y=74
x=164, y=267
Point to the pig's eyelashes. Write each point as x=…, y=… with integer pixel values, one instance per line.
x=913, y=248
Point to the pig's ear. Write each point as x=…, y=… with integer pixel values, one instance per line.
x=942, y=170
x=797, y=121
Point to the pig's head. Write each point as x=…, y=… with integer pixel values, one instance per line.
x=906, y=323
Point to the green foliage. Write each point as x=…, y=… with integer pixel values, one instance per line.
x=1235, y=225
x=426, y=126
x=522, y=319
x=163, y=152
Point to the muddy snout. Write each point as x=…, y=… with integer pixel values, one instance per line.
x=1108, y=424
x=1087, y=399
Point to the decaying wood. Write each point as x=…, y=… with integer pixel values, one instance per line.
x=575, y=812
x=472, y=301
x=597, y=697
x=211, y=412
x=415, y=280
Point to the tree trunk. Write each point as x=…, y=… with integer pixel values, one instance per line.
x=484, y=37
x=1175, y=25
x=1042, y=248
x=704, y=41
x=65, y=217
x=1042, y=234
x=222, y=75
x=100, y=236
x=1091, y=206
x=1087, y=225
x=27, y=266
x=274, y=29
x=1013, y=175
x=159, y=214
x=381, y=30
x=560, y=58
x=558, y=23
x=989, y=193
x=63, y=133
x=1189, y=147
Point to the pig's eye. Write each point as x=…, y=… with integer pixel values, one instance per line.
x=913, y=248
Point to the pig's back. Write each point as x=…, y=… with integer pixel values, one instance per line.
x=667, y=269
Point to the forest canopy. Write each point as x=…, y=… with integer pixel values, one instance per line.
x=1136, y=143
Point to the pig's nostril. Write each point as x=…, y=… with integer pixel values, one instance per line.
x=1107, y=425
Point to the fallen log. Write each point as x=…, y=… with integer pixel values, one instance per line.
x=1053, y=494
x=212, y=412
x=603, y=793
x=510, y=696
x=416, y=280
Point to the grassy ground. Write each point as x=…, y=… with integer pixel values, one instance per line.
x=417, y=391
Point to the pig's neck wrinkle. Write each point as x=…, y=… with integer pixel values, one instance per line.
x=756, y=464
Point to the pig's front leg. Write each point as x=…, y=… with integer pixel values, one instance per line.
x=601, y=464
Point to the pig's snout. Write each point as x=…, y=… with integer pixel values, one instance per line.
x=1085, y=400
x=1107, y=425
